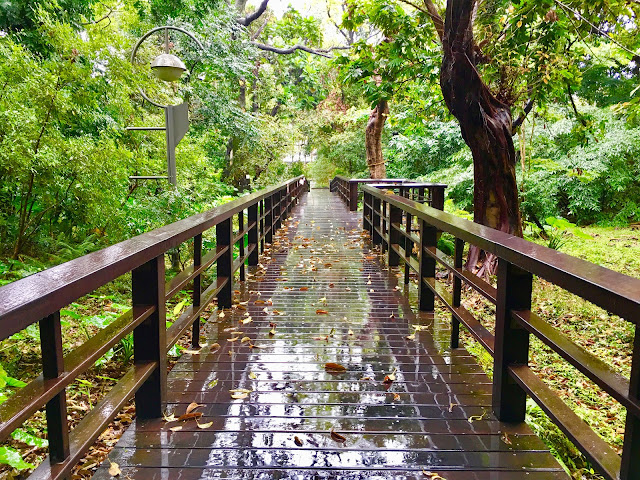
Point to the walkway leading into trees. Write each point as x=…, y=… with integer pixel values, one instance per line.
x=326, y=298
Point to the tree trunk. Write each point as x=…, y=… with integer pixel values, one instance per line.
x=486, y=125
x=373, y=140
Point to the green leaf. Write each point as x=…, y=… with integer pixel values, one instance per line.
x=14, y=382
x=29, y=439
x=10, y=456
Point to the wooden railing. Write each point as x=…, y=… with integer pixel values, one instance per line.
x=39, y=298
x=409, y=232
x=347, y=188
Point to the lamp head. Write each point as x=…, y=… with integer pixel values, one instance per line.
x=168, y=67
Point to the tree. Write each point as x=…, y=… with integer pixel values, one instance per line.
x=496, y=56
x=386, y=65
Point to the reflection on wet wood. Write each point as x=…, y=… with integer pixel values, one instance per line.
x=405, y=407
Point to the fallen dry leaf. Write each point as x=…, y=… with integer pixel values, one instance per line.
x=303, y=289
x=189, y=416
x=321, y=312
x=336, y=437
x=245, y=339
x=169, y=418
x=191, y=352
x=298, y=441
x=239, y=396
x=433, y=476
x=215, y=346
x=334, y=367
x=192, y=406
x=205, y=425
x=114, y=469
x=176, y=428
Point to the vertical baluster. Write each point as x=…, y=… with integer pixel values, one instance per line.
x=457, y=293
x=630, y=469
x=376, y=238
x=366, y=212
x=150, y=337
x=268, y=220
x=52, y=367
x=511, y=341
x=408, y=249
x=353, y=196
x=197, y=289
x=241, y=245
x=253, y=234
x=383, y=227
x=261, y=231
x=395, y=217
x=428, y=238
x=224, y=238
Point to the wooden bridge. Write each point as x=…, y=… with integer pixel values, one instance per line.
x=322, y=359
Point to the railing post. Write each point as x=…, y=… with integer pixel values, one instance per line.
x=268, y=219
x=197, y=289
x=630, y=469
x=395, y=216
x=353, y=196
x=53, y=367
x=511, y=341
x=241, y=245
x=437, y=197
x=253, y=234
x=457, y=293
x=277, y=220
x=376, y=238
x=150, y=337
x=428, y=238
x=224, y=238
x=261, y=210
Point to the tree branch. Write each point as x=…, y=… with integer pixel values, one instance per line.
x=520, y=120
x=436, y=18
x=290, y=50
x=252, y=17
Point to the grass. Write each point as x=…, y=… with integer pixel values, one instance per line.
x=605, y=336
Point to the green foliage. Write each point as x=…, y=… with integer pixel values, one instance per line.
x=423, y=149
x=585, y=181
x=10, y=456
x=557, y=231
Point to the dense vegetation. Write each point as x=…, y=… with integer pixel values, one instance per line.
x=361, y=86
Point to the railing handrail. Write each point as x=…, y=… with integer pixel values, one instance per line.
x=390, y=218
x=606, y=288
x=28, y=300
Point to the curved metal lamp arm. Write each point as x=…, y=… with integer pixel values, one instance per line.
x=166, y=28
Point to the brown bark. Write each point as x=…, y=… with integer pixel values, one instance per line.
x=373, y=140
x=486, y=125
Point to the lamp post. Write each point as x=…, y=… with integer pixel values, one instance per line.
x=169, y=68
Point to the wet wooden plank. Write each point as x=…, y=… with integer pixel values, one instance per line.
x=433, y=414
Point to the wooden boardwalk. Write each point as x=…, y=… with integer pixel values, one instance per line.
x=431, y=419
